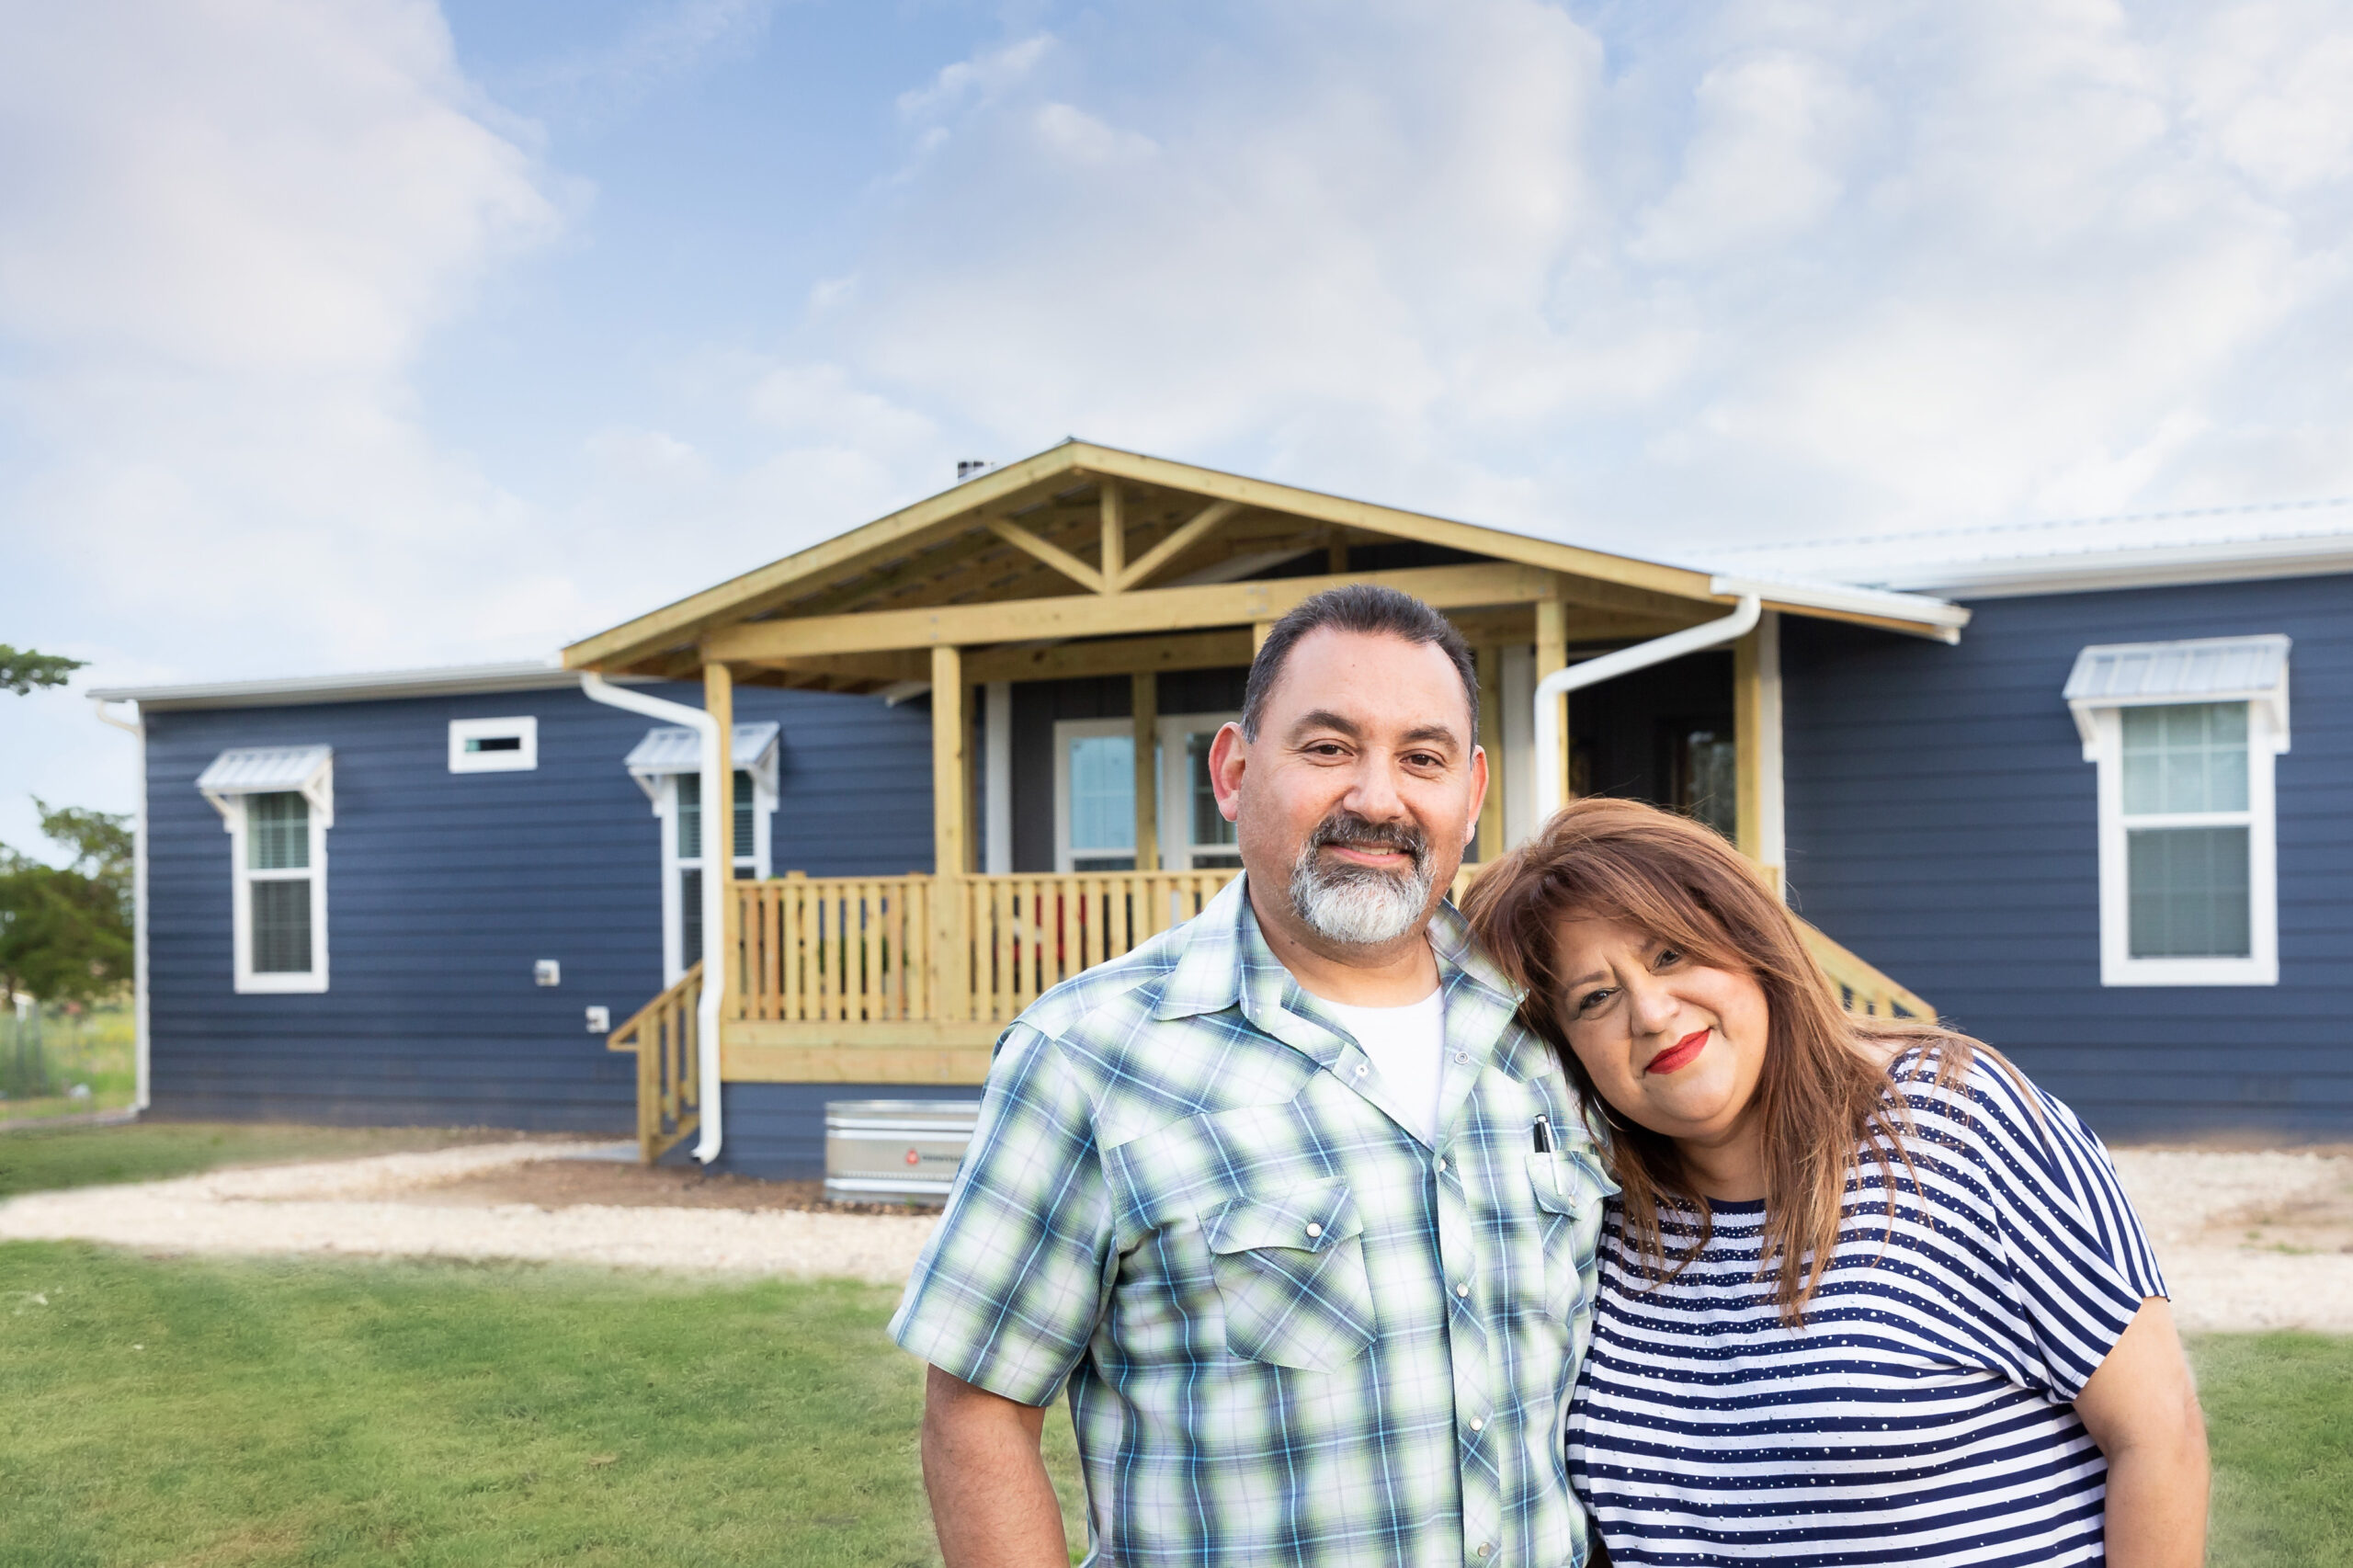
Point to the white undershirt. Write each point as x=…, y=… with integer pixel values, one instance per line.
x=1408, y=1049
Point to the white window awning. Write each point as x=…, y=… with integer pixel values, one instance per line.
x=2206, y=669
x=308, y=771
x=673, y=748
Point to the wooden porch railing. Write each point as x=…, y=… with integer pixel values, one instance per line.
x=862, y=950
x=1030, y=934
x=835, y=949
x=665, y=1037
x=866, y=949
x=1861, y=988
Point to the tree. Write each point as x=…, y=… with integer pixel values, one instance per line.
x=66, y=933
x=21, y=669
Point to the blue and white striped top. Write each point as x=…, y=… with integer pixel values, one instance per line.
x=1922, y=1415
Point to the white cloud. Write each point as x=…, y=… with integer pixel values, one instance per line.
x=1762, y=268
x=1764, y=163
x=226, y=233
x=1652, y=276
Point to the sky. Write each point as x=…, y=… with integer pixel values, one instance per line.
x=372, y=333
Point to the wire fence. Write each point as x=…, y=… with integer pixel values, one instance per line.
x=25, y=1072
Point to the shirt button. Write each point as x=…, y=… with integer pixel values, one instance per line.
x=1442, y=1165
x=1463, y=1290
x=1486, y=1547
x=1465, y=1056
x=1478, y=1424
x=1360, y=1069
x=1314, y=1230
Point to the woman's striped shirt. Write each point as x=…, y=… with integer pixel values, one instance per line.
x=1924, y=1413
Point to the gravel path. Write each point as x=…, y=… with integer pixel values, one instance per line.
x=2248, y=1240
x=354, y=1207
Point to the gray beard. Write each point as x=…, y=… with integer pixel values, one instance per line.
x=1357, y=906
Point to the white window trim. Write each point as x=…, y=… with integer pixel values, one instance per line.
x=2266, y=736
x=664, y=789
x=1065, y=732
x=523, y=726
x=249, y=982
x=1177, y=846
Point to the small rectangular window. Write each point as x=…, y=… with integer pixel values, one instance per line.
x=495, y=746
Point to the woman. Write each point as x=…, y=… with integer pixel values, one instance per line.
x=1867, y=1295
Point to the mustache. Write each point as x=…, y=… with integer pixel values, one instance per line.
x=1344, y=826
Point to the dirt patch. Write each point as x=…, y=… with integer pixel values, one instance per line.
x=563, y=1184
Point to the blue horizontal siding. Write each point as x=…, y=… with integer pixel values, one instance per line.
x=777, y=1131
x=442, y=888
x=1942, y=822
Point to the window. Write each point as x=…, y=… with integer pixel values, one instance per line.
x=1194, y=834
x=277, y=803
x=1095, y=795
x=2183, y=734
x=494, y=745
x=668, y=766
x=686, y=857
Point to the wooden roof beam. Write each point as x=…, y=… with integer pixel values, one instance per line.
x=1185, y=535
x=1053, y=555
x=1100, y=615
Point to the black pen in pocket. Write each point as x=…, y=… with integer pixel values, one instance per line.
x=1543, y=1130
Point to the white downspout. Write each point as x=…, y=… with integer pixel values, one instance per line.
x=1625, y=660
x=715, y=890
x=138, y=902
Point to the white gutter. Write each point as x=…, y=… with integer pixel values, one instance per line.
x=715, y=890
x=1933, y=618
x=138, y=727
x=1592, y=672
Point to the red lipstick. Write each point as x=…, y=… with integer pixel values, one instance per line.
x=1679, y=1055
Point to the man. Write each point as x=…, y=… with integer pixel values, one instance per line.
x=1302, y=1216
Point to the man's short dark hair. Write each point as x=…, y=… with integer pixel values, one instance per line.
x=1359, y=608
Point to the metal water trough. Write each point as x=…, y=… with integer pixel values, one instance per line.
x=895, y=1151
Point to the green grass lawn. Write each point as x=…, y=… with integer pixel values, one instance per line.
x=2279, y=1414
x=155, y=1411
x=37, y=1159
x=251, y=1412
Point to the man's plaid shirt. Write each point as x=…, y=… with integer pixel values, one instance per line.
x=1292, y=1332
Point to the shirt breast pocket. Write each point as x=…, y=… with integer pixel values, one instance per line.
x=1291, y=1275
x=1569, y=1187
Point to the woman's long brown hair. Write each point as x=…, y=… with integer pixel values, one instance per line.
x=1827, y=1094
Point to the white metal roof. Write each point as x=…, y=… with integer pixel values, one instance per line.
x=2212, y=544
x=2203, y=669
x=263, y=770
x=2125, y=672
x=674, y=748
x=534, y=674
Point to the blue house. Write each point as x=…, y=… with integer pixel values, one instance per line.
x=2068, y=800
x=2110, y=830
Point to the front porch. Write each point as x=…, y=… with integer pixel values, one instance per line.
x=909, y=980
x=1085, y=564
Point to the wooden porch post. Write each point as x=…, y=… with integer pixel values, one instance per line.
x=1144, y=703
x=950, y=835
x=719, y=838
x=1553, y=653
x=1756, y=746
x=1491, y=739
